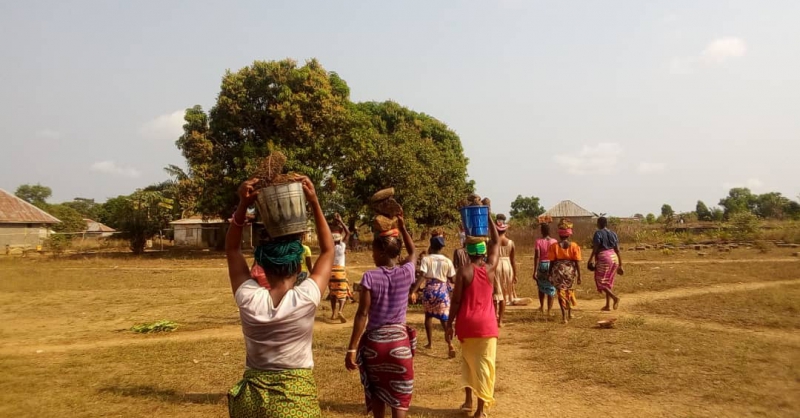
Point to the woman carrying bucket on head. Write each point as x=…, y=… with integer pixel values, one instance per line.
x=339, y=287
x=471, y=319
x=278, y=322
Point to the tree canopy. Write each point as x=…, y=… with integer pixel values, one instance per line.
x=35, y=194
x=350, y=150
x=526, y=207
x=739, y=199
x=139, y=216
x=71, y=219
x=703, y=214
x=667, y=212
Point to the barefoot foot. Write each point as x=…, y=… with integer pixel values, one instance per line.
x=616, y=304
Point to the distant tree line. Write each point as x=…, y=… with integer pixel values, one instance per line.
x=739, y=201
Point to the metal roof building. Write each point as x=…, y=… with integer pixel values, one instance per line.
x=22, y=225
x=568, y=209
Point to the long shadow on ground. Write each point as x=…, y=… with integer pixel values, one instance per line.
x=167, y=395
x=350, y=408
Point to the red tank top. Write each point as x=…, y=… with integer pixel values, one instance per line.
x=476, y=317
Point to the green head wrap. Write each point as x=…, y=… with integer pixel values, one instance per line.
x=476, y=249
x=285, y=256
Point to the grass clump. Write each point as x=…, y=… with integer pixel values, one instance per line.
x=158, y=326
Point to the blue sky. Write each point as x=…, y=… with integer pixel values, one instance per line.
x=619, y=106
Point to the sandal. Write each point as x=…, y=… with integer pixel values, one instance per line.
x=466, y=408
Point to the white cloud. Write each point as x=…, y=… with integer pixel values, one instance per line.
x=645, y=167
x=110, y=167
x=716, y=53
x=599, y=159
x=752, y=184
x=722, y=49
x=168, y=126
x=48, y=134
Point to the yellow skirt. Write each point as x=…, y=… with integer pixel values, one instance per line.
x=478, y=367
x=338, y=286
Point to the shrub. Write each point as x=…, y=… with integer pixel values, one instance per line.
x=745, y=225
x=763, y=246
x=58, y=243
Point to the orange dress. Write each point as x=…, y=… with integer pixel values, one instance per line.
x=564, y=271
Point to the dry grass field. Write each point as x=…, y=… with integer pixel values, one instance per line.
x=711, y=336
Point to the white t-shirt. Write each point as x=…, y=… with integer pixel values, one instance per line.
x=338, y=254
x=278, y=337
x=437, y=266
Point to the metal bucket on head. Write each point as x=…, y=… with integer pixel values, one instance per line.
x=475, y=219
x=282, y=208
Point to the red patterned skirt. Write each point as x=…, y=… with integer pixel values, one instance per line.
x=386, y=362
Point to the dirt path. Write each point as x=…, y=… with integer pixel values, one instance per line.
x=235, y=331
x=637, y=298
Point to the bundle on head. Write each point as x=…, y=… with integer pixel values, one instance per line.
x=280, y=258
x=270, y=171
x=564, y=228
x=386, y=208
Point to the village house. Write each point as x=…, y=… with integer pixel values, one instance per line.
x=22, y=225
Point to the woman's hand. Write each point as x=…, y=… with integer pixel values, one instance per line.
x=514, y=280
x=620, y=271
x=350, y=361
x=535, y=274
x=401, y=220
x=309, y=190
x=413, y=298
x=450, y=332
x=247, y=192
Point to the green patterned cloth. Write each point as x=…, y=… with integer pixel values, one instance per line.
x=275, y=394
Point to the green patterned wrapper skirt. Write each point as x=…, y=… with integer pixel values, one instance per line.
x=275, y=394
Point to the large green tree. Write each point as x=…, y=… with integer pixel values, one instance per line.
x=71, y=219
x=139, y=216
x=739, y=199
x=526, y=207
x=35, y=194
x=415, y=153
x=772, y=205
x=88, y=208
x=299, y=110
x=349, y=150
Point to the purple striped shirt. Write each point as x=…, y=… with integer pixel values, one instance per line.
x=389, y=288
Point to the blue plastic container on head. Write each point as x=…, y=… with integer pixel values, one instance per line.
x=475, y=220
